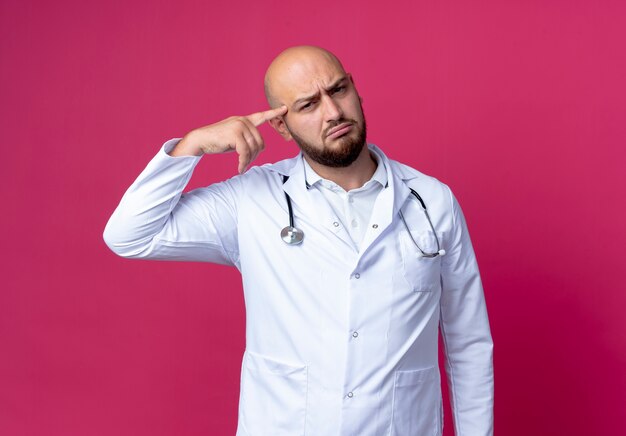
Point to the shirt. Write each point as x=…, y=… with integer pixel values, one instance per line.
x=354, y=207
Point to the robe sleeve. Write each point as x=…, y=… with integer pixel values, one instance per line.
x=156, y=220
x=466, y=334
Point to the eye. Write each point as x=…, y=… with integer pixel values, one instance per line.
x=306, y=106
x=338, y=89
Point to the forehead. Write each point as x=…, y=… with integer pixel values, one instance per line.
x=305, y=76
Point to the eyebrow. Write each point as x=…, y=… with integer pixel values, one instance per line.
x=310, y=97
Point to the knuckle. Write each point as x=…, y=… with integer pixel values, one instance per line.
x=243, y=152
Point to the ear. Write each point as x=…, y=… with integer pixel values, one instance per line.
x=353, y=84
x=351, y=79
x=279, y=125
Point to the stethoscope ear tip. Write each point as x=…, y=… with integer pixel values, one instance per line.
x=442, y=252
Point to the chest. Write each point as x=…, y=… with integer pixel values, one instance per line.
x=387, y=260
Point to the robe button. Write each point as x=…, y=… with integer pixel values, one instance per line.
x=375, y=226
x=357, y=276
x=336, y=224
x=350, y=395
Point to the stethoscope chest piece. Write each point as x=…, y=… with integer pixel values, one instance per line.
x=292, y=235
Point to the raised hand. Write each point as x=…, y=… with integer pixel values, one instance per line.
x=239, y=134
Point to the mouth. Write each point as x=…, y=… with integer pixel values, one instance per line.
x=339, y=131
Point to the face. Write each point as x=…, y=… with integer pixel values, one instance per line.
x=325, y=116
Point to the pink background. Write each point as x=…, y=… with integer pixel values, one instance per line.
x=518, y=105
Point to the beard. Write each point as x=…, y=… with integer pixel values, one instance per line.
x=346, y=151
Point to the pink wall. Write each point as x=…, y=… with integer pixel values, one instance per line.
x=518, y=105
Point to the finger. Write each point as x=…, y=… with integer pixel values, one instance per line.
x=247, y=132
x=259, y=118
x=246, y=163
x=243, y=158
x=252, y=130
x=244, y=151
x=254, y=140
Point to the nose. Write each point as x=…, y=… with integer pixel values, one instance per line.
x=332, y=111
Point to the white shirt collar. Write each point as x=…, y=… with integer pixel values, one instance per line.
x=379, y=176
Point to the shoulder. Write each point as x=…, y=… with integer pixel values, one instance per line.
x=405, y=172
x=434, y=192
x=262, y=178
x=269, y=171
x=410, y=176
x=282, y=167
x=424, y=184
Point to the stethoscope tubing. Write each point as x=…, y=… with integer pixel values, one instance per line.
x=294, y=236
x=439, y=251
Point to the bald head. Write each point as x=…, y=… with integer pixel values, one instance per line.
x=292, y=69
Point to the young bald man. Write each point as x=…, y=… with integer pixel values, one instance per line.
x=351, y=264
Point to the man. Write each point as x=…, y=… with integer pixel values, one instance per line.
x=342, y=313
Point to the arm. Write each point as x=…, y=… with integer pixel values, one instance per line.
x=154, y=220
x=466, y=334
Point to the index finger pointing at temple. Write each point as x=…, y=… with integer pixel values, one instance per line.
x=259, y=118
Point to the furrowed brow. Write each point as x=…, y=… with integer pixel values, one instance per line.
x=305, y=99
x=337, y=82
x=312, y=96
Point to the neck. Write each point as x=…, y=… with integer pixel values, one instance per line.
x=353, y=176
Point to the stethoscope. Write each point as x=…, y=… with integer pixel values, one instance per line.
x=294, y=236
